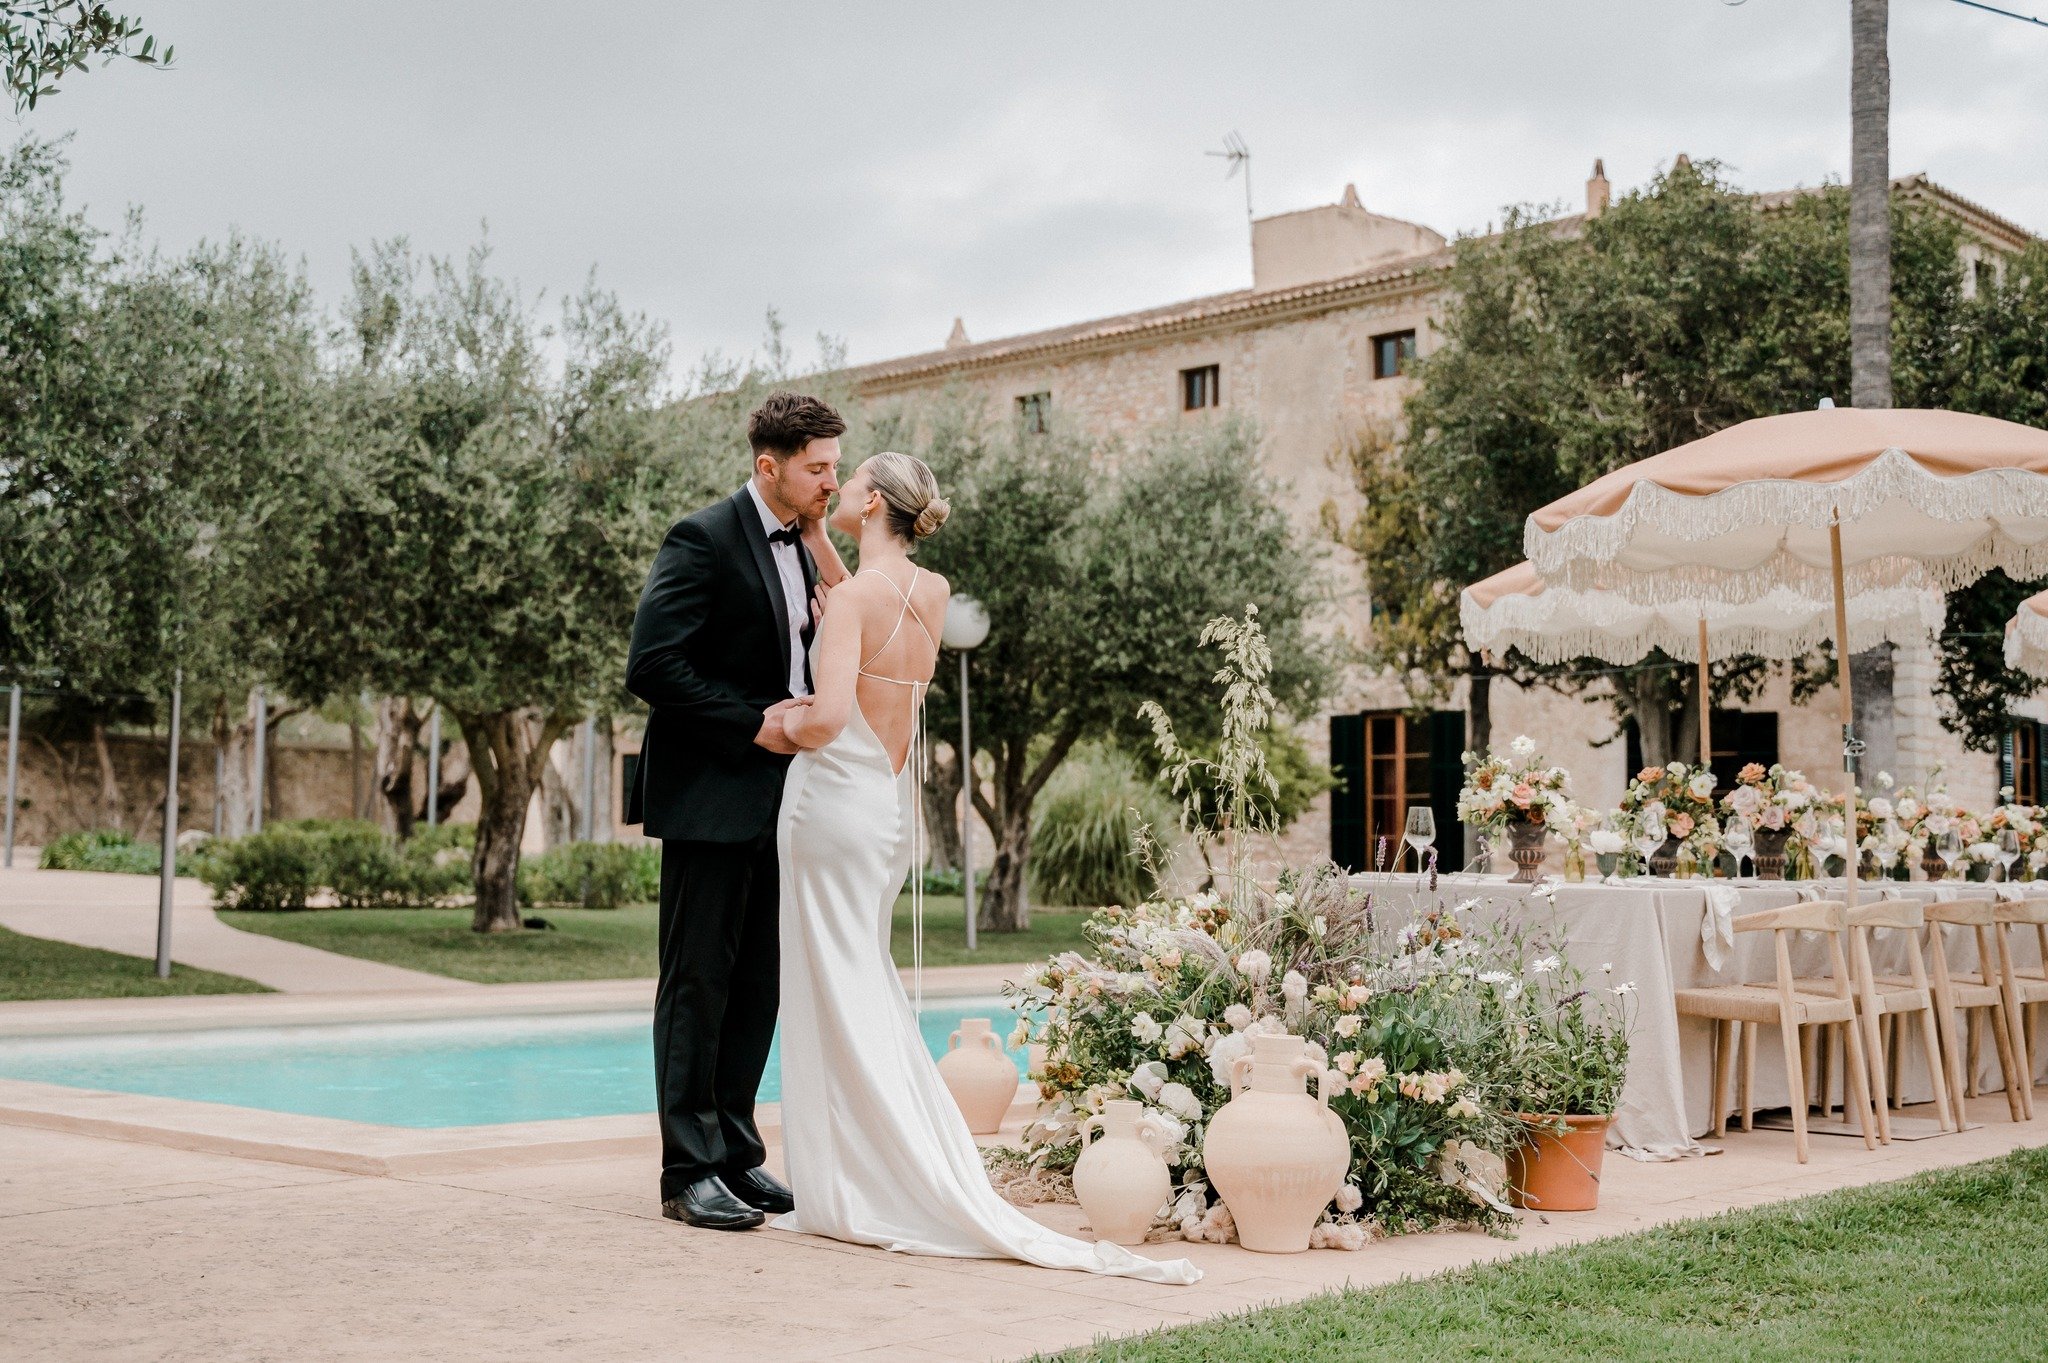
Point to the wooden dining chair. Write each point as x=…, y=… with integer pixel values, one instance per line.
x=2023, y=988
x=1980, y=996
x=1788, y=1004
x=1886, y=1003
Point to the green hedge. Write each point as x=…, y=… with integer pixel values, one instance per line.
x=109, y=849
x=592, y=875
x=286, y=865
x=1082, y=829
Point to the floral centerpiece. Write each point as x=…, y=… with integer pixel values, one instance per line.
x=1519, y=792
x=2025, y=822
x=1404, y=1019
x=1770, y=802
x=1675, y=798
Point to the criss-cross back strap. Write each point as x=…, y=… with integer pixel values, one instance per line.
x=896, y=628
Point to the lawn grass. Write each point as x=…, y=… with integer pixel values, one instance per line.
x=604, y=944
x=1947, y=1265
x=37, y=968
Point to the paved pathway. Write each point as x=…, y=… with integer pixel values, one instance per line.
x=118, y=913
x=120, y=1251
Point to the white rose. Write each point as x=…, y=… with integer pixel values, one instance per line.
x=1347, y=1026
x=1145, y=1029
x=1147, y=1080
x=1702, y=785
x=1180, y=1100
x=1226, y=1053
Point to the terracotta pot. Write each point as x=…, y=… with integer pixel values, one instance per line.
x=1769, y=846
x=1554, y=1172
x=980, y=1075
x=1275, y=1155
x=1664, y=861
x=1526, y=851
x=1120, y=1179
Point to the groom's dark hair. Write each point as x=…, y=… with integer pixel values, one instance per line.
x=787, y=422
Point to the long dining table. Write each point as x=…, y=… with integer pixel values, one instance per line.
x=1662, y=935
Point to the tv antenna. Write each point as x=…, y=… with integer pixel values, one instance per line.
x=1240, y=158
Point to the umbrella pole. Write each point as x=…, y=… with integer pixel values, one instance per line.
x=1851, y=747
x=1706, y=704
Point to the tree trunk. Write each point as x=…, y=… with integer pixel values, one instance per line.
x=942, y=810
x=507, y=750
x=1645, y=697
x=398, y=738
x=1870, y=223
x=110, y=812
x=455, y=775
x=1006, y=907
x=1871, y=676
x=232, y=740
x=356, y=809
x=604, y=817
x=561, y=812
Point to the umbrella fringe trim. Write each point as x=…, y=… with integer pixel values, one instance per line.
x=2026, y=644
x=1888, y=616
x=1580, y=553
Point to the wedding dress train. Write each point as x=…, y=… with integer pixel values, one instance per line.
x=876, y=1151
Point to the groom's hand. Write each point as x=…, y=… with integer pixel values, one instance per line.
x=774, y=735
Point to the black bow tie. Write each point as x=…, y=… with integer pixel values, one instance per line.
x=789, y=535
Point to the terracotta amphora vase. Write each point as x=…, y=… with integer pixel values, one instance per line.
x=1120, y=1178
x=1525, y=849
x=1553, y=1171
x=1276, y=1155
x=980, y=1075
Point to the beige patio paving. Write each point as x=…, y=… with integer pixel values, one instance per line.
x=120, y=1251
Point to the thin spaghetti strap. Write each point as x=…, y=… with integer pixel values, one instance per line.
x=898, y=626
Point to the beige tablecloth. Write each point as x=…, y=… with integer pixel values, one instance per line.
x=1658, y=935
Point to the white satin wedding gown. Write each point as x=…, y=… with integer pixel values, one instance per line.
x=877, y=1153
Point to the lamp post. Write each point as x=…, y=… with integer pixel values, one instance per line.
x=167, y=871
x=257, y=760
x=965, y=628
x=13, y=760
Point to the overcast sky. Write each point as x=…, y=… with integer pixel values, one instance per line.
x=873, y=169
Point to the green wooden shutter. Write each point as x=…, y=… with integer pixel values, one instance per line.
x=1347, y=797
x=1446, y=779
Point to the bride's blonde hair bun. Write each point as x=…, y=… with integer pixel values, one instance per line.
x=931, y=518
x=909, y=492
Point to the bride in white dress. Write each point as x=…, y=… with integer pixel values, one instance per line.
x=877, y=1152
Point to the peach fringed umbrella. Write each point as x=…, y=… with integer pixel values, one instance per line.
x=2026, y=637
x=1834, y=501
x=1516, y=609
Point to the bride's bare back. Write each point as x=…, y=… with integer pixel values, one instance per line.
x=877, y=648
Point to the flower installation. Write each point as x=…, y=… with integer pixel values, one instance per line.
x=1414, y=1044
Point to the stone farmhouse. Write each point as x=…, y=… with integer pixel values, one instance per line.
x=1341, y=299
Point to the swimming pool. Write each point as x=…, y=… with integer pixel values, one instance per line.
x=459, y=1072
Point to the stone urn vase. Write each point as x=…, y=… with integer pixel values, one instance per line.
x=1120, y=1178
x=1932, y=864
x=1276, y=1155
x=1769, y=847
x=1664, y=861
x=1558, y=1171
x=979, y=1074
x=1525, y=849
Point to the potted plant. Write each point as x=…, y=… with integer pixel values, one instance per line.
x=1564, y=1059
x=1520, y=793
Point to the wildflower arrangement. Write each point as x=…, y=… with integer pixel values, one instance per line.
x=1405, y=1018
x=1565, y=1042
x=1677, y=798
x=1517, y=788
x=1770, y=798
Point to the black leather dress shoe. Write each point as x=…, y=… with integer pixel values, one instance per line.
x=709, y=1205
x=758, y=1188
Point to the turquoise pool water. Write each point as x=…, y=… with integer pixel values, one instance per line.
x=461, y=1072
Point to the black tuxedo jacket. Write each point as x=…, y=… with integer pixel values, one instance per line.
x=710, y=652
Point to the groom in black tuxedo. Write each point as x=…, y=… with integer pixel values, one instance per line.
x=719, y=654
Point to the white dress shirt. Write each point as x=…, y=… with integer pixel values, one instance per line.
x=790, y=568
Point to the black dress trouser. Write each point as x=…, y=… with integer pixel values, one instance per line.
x=714, y=1005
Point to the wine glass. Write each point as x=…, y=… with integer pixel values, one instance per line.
x=1648, y=838
x=2008, y=851
x=1736, y=838
x=1949, y=847
x=1421, y=832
